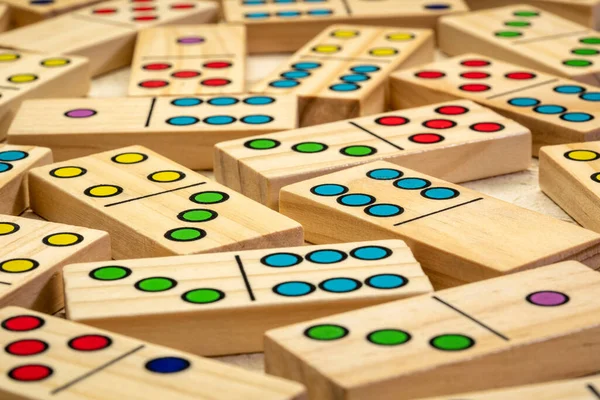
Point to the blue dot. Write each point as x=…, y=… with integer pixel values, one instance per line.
x=295, y=74
x=257, y=15
x=384, y=210
x=223, y=101
x=591, y=96
x=340, y=285
x=182, y=121
x=284, y=83
x=284, y=1
x=186, y=102
x=365, y=69
x=355, y=78
x=577, y=117
x=356, y=200
x=294, y=289
x=12, y=155
x=256, y=119
x=344, y=87
x=569, y=89
x=524, y=102
x=326, y=256
x=254, y=2
x=39, y=2
x=4, y=167
x=329, y=189
x=281, y=260
x=441, y=193
x=370, y=253
x=288, y=14
x=320, y=11
x=412, y=183
x=440, y=6
x=259, y=100
x=384, y=174
x=549, y=109
x=167, y=365
x=306, y=65
x=386, y=281
x=219, y=120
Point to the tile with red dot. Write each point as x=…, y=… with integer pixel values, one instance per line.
x=143, y=13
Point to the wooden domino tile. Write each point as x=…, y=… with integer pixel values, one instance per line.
x=25, y=12
x=4, y=17
x=15, y=162
x=241, y=295
x=47, y=358
x=152, y=206
x=343, y=72
x=32, y=254
x=184, y=129
x=556, y=110
x=105, y=33
x=458, y=235
x=189, y=60
x=25, y=75
x=457, y=141
x=527, y=36
x=278, y=26
x=529, y=327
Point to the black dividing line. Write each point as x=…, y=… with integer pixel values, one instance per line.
x=154, y=194
x=347, y=7
x=594, y=391
x=246, y=281
x=522, y=88
x=96, y=370
x=472, y=319
x=104, y=21
x=5, y=283
x=152, y=103
x=439, y=211
x=374, y=134
x=345, y=59
x=543, y=38
x=189, y=56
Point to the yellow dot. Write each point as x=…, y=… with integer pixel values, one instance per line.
x=63, y=239
x=8, y=57
x=22, y=78
x=582, y=155
x=166, y=176
x=384, y=52
x=6, y=228
x=344, y=34
x=67, y=172
x=103, y=191
x=55, y=62
x=400, y=37
x=18, y=265
x=326, y=48
x=129, y=158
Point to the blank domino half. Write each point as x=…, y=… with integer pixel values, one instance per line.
x=184, y=129
x=526, y=36
x=32, y=254
x=25, y=75
x=15, y=162
x=277, y=26
x=457, y=141
x=556, y=110
x=529, y=327
x=105, y=33
x=25, y=12
x=343, y=72
x=218, y=304
x=152, y=206
x=458, y=235
x=189, y=59
x=47, y=358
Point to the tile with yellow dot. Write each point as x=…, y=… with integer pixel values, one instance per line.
x=32, y=254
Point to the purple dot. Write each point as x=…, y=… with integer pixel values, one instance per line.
x=548, y=298
x=190, y=40
x=81, y=113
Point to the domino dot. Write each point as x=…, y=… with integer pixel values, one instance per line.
x=219, y=120
x=187, y=102
x=7, y=228
x=191, y=40
x=155, y=284
x=326, y=256
x=582, y=155
x=326, y=48
x=81, y=113
x=569, y=89
x=5, y=167
x=371, y=253
x=183, y=120
x=386, y=281
x=9, y=57
x=185, y=74
x=23, y=323
x=143, y=8
x=345, y=34
x=153, y=84
x=104, y=11
x=294, y=289
x=595, y=177
x=295, y=74
x=383, y=52
x=548, y=298
x=520, y=75
x=577, y=63
x=412, y=183
x=475, y=63
x=22, y=78
x=508, y=34
x=167, y=365
x=18, y=265
x=320, y=12
x=62, y=239
x=475, y=75
x=90, y=343
x=388, y=337
x=281, y=260
x=340, y=285
x=400, y=37
x=344, y=87
x=591, y=96
x=203, y=296
x=185, y=234
x=365, y=69
x=284, y=83
x=437, y=6
x=68, y=172
x=354, y=78
x=103, y=191
x=356, y=200
x=384, y=210
x=452, y=342
x=26, y=347
x=326, y=332
x=55, y=62
x=452, y=110
x=306, y=65
x=487, y=127
x=129, y=158
x=182, y=6
x=145, y=18
x=288, y=14
x=549, y=109
x=259, y=100
x=198, y=215
x=329, y=189
x=257, y=15
x=526, y=14
x=576, y=117
x=110, y=273
x=439, y=124
x=166, y=176
x=358, y=151
x=472, y=87
x=262, y=144
x=30, y=373
x=40, y=2
x=217, y=64
x=523, y=102
x=426, y=138
x=430, y=74
x=211, y=197
x=518, y=24
x=384, y=174
x=585, y=52
x=223, y=101
x=157, y=66
x=13, y=155
x=257, y=119
x=309, y=147
x=440, y=193
x=392, y=121
x=590, y=40
x=213, y=82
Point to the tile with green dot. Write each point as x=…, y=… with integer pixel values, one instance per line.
x=475, y=337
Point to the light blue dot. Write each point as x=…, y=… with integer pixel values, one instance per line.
x=320, y=12
x=365, y=69
x=254, y=2
x=384, y=210
x=329, y=190
x=288, y=14
x=326, y=256
x=370, y=253
x=440, y=193
x=306, y=65
x=549, y=109
x=4, y=167
x=257, y=15
x=259, y=100
x=186, y=102
x=223, y=101
x=281, y=260
x=295, y=74
x=576, y=117
x=12, y=155
x=524, y=102
x=384, y=174
x=340, y=285
x=219, y=120
x=386, y=281
x=569, y=89
x=182, y=121
x=344, y=87
x=591, y=96
x=284, y=83
x=294, y=289
x=411, y=183
x=256, y=119
x=356, y=200
x=355, y=78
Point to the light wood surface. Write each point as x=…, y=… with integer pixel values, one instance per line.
x=25, y=12
x=529, y=327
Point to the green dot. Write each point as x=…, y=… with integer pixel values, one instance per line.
x=210, y=197
x=326, y=332
x=590, y=40
x=203, y=296
x=198, y=215
x=452, y=342
x=508, y=34
x=519, y=24
x=577, y=63
x=358, y=151
x=156, y=284
x=389, y=337
x=262, y=144
x=526, y=13
x=185, y=234
x=110, y=273
x=309, y=147
x=585, y=52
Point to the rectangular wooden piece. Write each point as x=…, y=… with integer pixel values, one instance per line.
x=25, y=12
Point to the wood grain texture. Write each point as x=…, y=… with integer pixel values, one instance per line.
x=343, y=72
x=529, y=327
x=15, y=162
x=25, y=12
x=105, y=33
x=83, y=363
x=154, y=207
x=456, y=141
x=556, y=110
x=189, y=60
x=527, y=36
x=184, y=129
x=5, y=14
x=32, y=255
x=458, y=235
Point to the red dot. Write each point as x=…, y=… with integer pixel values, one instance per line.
x=22, y=323
x=26, y=347
x=487, y=127
x=143, y=8
x=182, y=6
x=475, y=75
x=104, y=11
x=392, y=121
x=430, y=74
x=153, y=84
x=426, y=138
x=145, y=18
x=475, y=63
x=520, y=75
x=90, y=343
x=439, y=124
x=474, y=87
x=30, y=373
x=217, y=64
x=452, y=110
x=216, y=82
x=157, y=66
x=185, y=74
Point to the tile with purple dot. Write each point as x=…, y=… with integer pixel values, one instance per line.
x=528, y=327
x=456, y=141
x=185, y=129
x=556, y=110
x=218, y=304
x=343, y=72
x=189, y=60
x=46, y=358
x=32, y=254
x=528, y=36
x=152, y=206
x=458, y=235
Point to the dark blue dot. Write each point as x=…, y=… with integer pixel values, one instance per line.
x=549, y=109
x=344, y=87
x=591, y=96
x=320, y=12
x=5, y=167
x=370, y=253
x=412, y=183
x=186, y=102
x=259, y=100
x=384, y=174
x=340, y=285
x=167, y=365
x=12, y=155
x=306, y=65
x=569, y=89
x=281, y=260
x=294, y=289
x=257, y=15
x=219, y=120
x=365, y=69
x=524, y=102
x=329, y=189
x=40, y=2
x=440, y=193
x=284, y=83
x=326, y=256
x=256, y=119
x=384, y=210
x=223, y=101
x=386, y=281
x=356, y=200
x=295, y=74
x=182, y=121
x=576, y=117
x=437, y=6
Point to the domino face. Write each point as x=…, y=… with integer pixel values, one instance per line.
x=184, y=129
x=118, y=191
x=189, y=60
x=46, y=358
x=462, y=131
x=343, y=72
x=32, y=254
x=24, y=12
x=556, y=110
x=226, y=301
x=529, y=36
x=458, y=235
x=474, y=337
x=15, y=162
